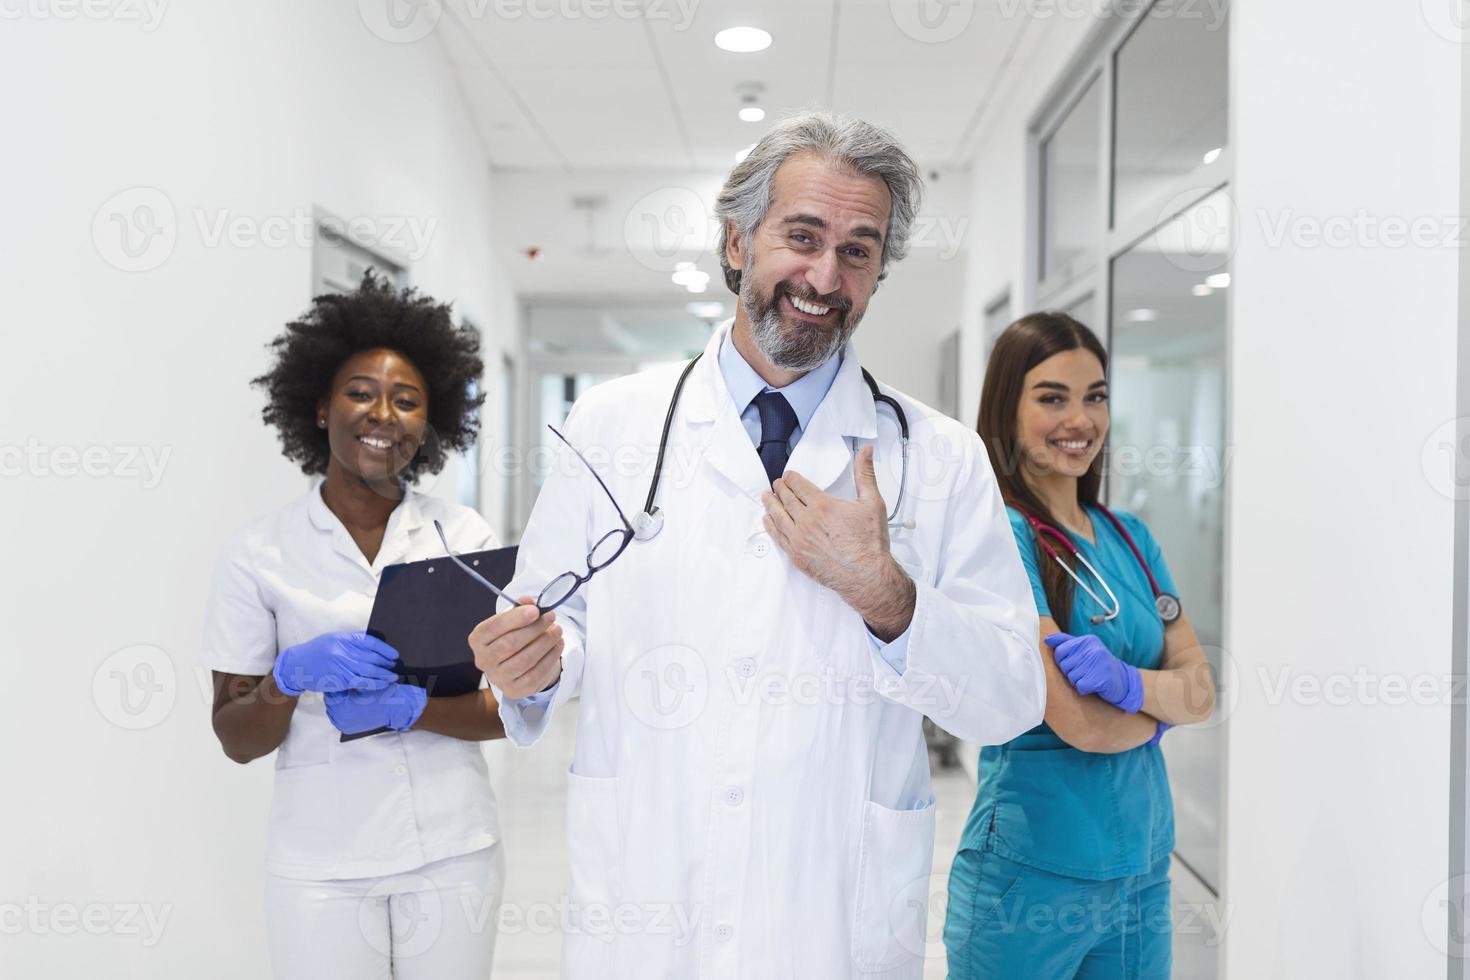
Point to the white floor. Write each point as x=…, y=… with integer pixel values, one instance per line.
x=531, y=787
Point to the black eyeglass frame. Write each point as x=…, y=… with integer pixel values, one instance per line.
x=626, y=532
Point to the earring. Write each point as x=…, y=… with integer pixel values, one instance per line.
x=321, y=423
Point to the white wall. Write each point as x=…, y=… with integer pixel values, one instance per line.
x=263, y=109
x=997, y=259
x=1339, y=537
x=1343, y=367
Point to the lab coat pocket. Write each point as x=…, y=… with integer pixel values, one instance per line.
x=595, y=848
x=893, y=887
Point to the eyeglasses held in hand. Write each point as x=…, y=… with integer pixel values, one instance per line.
x=565, y=585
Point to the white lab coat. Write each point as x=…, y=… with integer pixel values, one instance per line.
x=749, y=794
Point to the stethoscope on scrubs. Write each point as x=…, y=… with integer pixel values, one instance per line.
x=1166, y=603
x=648, y=522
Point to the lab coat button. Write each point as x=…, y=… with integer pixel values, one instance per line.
x=745, y=666
x=724, y=931
x=734, y=796
x=761, y=548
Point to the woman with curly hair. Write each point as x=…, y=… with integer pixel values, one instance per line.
x=382, y=854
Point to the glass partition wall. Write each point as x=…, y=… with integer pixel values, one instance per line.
x=1131, y=233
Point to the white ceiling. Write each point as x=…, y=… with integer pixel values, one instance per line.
x=553, y=86
x=638, y=114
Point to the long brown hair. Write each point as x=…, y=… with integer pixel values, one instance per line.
x=1019, y=348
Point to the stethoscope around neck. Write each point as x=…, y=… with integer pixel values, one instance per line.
x=649, y=521
x=1165, y=602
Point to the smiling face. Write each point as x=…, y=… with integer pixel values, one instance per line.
x=1063, y=416
x=375, y=415
x=808, y=270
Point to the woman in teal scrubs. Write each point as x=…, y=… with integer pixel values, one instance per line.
x=1063, y=868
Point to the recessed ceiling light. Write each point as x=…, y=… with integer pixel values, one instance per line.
x=1141, y=315
x=690, y=277
x=743, y=40
x=744, y=152
x=681, y=266
x=1200, y=289
x=707, y=310
x=1213, y=155
x=752, y=113
x=1219, y=280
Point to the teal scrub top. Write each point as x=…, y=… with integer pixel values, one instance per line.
x=1048, y=805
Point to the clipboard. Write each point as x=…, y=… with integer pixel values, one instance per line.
x=426, y=609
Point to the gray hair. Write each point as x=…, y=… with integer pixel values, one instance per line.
x=850, y=142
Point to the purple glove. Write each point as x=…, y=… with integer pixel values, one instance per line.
x=397, y=707
x=1093, y=669
x=336, y=662
x=1164, y=726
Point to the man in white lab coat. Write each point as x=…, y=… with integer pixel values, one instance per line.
x=750, y=795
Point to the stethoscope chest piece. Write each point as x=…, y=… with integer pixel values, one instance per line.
x=647, y=524
x=1168, y=606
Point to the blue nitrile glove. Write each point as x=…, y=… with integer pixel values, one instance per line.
x=1092, y=669
x=397, y=706
x=336, y=662
x=1164, y=726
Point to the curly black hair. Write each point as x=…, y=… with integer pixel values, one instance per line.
x=339, y=325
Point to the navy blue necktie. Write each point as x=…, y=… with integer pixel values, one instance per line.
x=778, y=421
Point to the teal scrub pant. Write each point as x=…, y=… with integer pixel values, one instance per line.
x=1009, y=921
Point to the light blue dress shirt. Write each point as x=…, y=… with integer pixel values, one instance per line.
x=804, y=395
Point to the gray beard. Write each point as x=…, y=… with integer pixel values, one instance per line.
x=805, y=348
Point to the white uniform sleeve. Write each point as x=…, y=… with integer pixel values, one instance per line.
x=239, y=626
x=973, y=658
x=555, y=541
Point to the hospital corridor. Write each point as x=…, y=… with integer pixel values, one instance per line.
x=735, y=490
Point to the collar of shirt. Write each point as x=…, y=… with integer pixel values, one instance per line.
x=804, y=394
x=405, y=520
